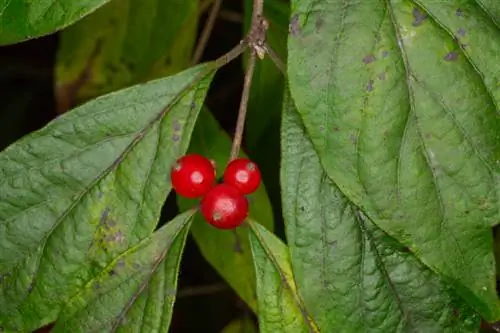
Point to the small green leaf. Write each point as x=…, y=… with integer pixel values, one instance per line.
x=351, y=275
x=264, y=104
x=244, y=325
x=280, y=309
x=224, y=249
x=86, y=187
x=134, y=293
x=123, y=43
x=25, y=19
x=405, y=121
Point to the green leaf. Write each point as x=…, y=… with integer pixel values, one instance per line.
x=405, y=124
x=265, y=101
x=280, y=308
x=226, y=249
x=244, y=325
x=86, y=187
x=25, y=19
x=123, y=43
x=134, y=293
x=351, y=275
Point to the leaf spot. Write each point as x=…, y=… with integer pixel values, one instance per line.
x=193, y=106
x=461, y=32
x=369, y=59
x=175, y=137
x=385, y=54
x=294, y=27
x=382, y=76
x=369, y=85
x=176, y=125
x=319, y=23
x=117, y=237
x=419, y=17
x=451, y=56
x=104, y=215
x=459, y=12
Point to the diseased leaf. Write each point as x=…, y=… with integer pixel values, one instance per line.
x=25, y=19
x=265, y=101
x=280, y=309
x=123, y=43
x=244, y=325
x=211, y=141
x=135, y=292
x=351, y=275
x=406, y=125
x=89, y=185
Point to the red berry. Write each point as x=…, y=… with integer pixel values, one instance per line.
x=242, y=174
x=192, y=176
x=224, y=207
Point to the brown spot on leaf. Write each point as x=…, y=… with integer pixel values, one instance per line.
x=175, y=137
x=369, y=59
x=319, y=23
x=461, y=32
x=418, y=16
x=459, y=12
x=294, y=27
x=385, y=54
x=382, y=76
x=335, y=129
x=451, y=56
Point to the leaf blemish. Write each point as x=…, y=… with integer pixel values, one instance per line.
x=104, y=215
x=369, y=85
x=385, y=54
x=461, y=32
x=451, y=56
x=176, y=125
x=369, y=59
x=381, y=76
x=419, y=17
x=459, y=12
x=293, y=27
x=193, y=105
x=319, y=23
x=175, y=137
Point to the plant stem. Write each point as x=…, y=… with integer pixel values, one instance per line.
x=207, y=30
x=276, y=59
x=256, y=38
x=232, y=54
x=242, y=112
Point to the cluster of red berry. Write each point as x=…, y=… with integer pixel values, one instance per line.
x=223, y=205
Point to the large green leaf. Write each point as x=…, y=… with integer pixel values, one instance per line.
x=135, y=292
x=351, y=275
x=280, y=308
x=26, y=19
x=264, y=104
x=228, y=251
x=123, y=43
x=89, y=185
x=405, y=122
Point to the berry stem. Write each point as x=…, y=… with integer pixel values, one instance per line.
x=242, y=112
x=207, y=30
x=256, y=39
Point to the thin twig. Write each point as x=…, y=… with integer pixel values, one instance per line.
x=276, y=59
x=231, y=55
x=242, y=112
x=256, y=38
x=207, y=30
